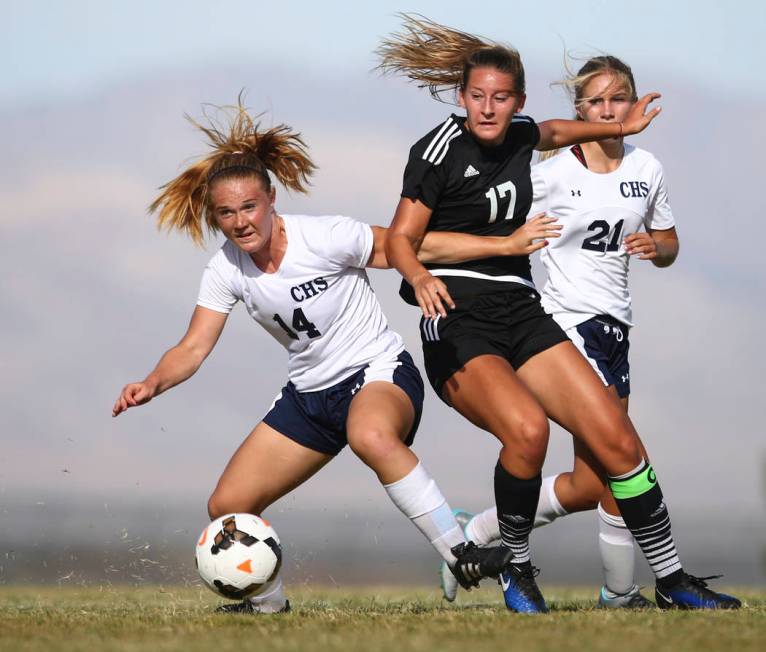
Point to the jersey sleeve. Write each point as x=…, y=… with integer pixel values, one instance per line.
x=659, y=217
x=525, y=130
x=349, y=242
x=424, y=180
x=215, y=292
x=539, y=192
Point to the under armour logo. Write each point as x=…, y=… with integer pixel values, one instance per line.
x=470, y=171
x=356, y=389
x=625, y=378
x=576, y=192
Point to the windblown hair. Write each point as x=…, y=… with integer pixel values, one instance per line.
x=576, y=83
x=441, y=59
x=240, y=150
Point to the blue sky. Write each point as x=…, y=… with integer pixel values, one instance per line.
x=60, y=49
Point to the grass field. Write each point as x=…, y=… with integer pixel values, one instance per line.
x=368, y=619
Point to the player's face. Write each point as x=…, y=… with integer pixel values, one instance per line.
x=490, y=102
x=606, y=100
x=244, y=211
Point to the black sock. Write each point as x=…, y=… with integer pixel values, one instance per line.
x=639, y=498
x=516, y=502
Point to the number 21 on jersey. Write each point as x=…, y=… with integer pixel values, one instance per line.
x=601, y=240
x=495, y=194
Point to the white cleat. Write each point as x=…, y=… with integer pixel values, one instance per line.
x=447, y=581
x=630, y=600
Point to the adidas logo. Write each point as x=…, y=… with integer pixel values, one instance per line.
x=470, y=171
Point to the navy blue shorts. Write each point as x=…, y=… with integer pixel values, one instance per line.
x=603, y=341
x=317, y=420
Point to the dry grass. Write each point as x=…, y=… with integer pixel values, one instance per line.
x=370, y=619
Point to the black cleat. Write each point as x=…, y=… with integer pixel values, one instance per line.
x=691, y=592
x=474, y=563
x=247, y=607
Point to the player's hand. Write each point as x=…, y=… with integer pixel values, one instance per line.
x=431, y=294
x=133, y=395
x=640, y=244
x=533, y=235
x=638, y=119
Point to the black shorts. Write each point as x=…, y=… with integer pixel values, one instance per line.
x=317, y=420
x=603, y=340
x=511, y=324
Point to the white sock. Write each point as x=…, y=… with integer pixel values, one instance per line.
x=484, y=529
x=548, y=507
x=272, y=596
x=420, y=500
x=615, y=542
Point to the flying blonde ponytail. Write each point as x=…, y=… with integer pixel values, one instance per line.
x=240, y=149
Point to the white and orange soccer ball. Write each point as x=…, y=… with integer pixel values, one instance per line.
x=238, y=555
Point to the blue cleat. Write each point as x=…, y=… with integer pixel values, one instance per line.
x=692, y=593
x=520, y=589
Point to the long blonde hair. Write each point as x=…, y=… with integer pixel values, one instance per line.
x=440, y=58
x=575, y=83
x=240, y=149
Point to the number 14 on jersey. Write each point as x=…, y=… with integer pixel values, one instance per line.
x=300, y=324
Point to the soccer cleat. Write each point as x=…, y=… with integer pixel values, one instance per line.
x=691, y=592
x=447, y=580
x=474, y=563
x=247, y=607
x=630, y=600
x=520, y=589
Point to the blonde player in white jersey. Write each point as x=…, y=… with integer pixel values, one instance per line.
x=610, y=201
x=350, y=380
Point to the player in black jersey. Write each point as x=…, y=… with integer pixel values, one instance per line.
x=490, y=350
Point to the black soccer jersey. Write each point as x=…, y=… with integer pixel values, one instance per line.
x=474, y=189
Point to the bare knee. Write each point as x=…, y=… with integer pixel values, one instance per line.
x=373, y=444
x=226, y=501
x=621, y=450
x=527, y=439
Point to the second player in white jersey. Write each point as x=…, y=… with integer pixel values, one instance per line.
x=587, y=267
x=319, y=304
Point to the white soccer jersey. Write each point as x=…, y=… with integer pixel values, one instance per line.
x=587, y=266
x=319, y=304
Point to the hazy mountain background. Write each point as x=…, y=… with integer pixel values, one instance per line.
x=92, y=294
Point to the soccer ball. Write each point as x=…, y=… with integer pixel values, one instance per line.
x=237, y=555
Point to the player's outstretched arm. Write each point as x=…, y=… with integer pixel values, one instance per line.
x=178, y=363
x=453, y=247
x=562, y=133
